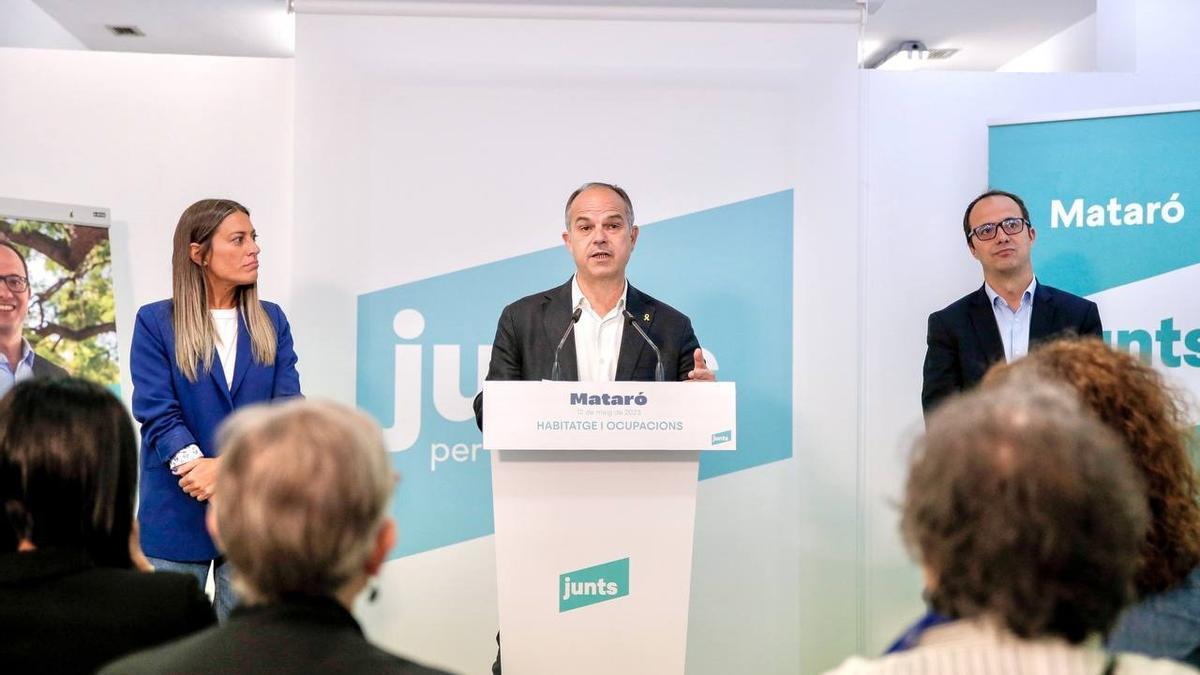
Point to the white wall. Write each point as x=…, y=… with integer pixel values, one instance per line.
x=926, y=139
x=1117, y=40
x=147, y=135
x=24, y=24
x=1073, y=49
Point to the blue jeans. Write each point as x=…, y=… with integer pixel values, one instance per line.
x=224, y=598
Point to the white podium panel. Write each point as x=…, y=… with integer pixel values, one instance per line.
x=610, y=416
x=594, y=502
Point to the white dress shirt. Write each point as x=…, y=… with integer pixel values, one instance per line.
x=976, y=647
x=1013, y=326
x=598, y=338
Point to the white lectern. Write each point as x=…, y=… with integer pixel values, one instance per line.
x=594, y=493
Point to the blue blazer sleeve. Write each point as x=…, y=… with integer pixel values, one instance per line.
x=287, y=378
x=155, y=403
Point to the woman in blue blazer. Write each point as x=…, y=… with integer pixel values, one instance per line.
x=210, y=349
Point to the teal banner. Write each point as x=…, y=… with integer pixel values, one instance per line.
x=1115, y=201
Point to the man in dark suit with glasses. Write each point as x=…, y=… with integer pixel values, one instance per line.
x=1011, y=311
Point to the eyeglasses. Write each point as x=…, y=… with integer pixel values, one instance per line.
x=16, y=283
x=987, y=231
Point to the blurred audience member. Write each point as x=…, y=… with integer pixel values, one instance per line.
x=1026, y=517
x=1132, y=398
x=71, y=596
x=302, y=516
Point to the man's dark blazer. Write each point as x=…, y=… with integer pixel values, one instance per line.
x=44, y=368
x=530, y=328
x=963, y=340
x=59, y=613
x=300, y=634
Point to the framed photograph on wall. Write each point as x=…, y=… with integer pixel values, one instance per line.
x=70, y=319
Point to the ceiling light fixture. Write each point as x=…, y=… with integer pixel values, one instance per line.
x=907, y=55
x=911, y=55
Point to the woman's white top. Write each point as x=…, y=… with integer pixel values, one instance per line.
x=226, y=323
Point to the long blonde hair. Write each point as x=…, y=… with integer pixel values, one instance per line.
x=194, y=329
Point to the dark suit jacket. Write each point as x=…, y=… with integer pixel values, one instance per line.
x=44, y=368
x=298, y=635
x=963, y=340
x=61, y=614
x=530, y=328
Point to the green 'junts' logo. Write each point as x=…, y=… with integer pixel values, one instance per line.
x=590, y=585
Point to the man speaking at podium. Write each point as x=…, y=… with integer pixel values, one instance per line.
x=596, y=327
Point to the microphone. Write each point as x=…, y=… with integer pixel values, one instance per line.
x=554, y=371
x=658, y=367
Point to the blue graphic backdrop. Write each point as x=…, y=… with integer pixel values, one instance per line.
x=729, y=268
x=1136, y=158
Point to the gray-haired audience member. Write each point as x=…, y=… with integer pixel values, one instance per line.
x=1026, y=517
x=302, y=514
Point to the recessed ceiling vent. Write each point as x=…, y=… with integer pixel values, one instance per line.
x=941, y=54
x=126, y=31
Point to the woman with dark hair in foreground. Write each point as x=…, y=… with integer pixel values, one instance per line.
x=75, y=591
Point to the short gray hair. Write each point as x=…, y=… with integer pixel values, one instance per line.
x=587, y=186
x=303, y=491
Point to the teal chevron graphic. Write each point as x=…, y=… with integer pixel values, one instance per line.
x=423, y=348
x=1114, y=199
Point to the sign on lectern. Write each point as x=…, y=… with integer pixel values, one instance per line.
x=594, y=490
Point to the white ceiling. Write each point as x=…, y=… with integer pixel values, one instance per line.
x=989, y=32
x=219, y=27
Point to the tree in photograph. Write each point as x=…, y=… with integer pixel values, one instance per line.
x=72, y=319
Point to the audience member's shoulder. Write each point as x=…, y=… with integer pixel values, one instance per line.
x=377, y=660
x=856, y=665
x=175, y=598
x=173, y=657
x=166, y=582
x=157, y=581
x=1144, y=665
